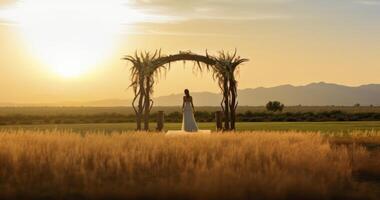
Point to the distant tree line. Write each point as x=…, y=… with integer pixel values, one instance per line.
x=307, y=116
x=201, y=116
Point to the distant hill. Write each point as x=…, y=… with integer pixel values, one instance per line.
x=314, y=94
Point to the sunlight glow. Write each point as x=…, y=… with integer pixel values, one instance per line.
x=72, y=36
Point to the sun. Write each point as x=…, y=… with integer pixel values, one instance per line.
x=71, y=37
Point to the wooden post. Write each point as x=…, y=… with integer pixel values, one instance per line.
x=160, y=121
x=218, y=120
x=226, y=105
x=147, y=105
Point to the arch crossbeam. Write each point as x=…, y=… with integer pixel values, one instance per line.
x=187, y=56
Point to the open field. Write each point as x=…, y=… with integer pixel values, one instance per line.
x=248, y=165
x=129, y=110
x=106, y=115
x=326, y=127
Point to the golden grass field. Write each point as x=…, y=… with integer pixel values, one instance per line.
x=131, y=165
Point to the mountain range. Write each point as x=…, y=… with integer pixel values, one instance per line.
x=314, y=94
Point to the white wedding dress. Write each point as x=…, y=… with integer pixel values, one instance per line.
x=188, y=120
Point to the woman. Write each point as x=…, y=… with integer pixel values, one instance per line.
x=188, y=121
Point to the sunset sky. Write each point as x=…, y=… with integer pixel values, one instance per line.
x=71, y=50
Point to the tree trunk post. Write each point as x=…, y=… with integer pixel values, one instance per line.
x=140, y=109
x=218, y=120
x=160, y=121
x=226, y=106
x=147, y=105
x=233, y=93
x=233, y=120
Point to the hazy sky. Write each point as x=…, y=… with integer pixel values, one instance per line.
x=71, y=50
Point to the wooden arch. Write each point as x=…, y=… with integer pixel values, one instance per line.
x=184, y=57
x=147, y=65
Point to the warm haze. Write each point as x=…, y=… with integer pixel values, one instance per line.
x=55, y=50
x=243, y=99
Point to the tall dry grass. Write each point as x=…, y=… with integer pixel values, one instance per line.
x=250, y=165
